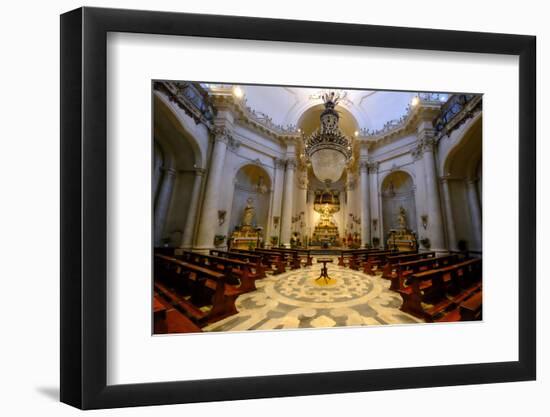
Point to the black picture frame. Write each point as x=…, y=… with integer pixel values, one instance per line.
x=84, y=207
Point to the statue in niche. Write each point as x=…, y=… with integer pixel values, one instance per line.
x=248, y=214
x=402, y=218
x=247, y=236
x=402, y=239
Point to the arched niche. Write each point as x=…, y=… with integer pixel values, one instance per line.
x=398, y=191
x=252, y=182
x=463, y=168
x=176, y=155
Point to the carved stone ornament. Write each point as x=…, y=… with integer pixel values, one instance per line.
x=303, y=180
x=232, y=143
x=427, y=139
x=417, y=152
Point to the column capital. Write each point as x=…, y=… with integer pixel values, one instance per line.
x=373, y=167
x=426, y=139
x=279, y=163
x=291, y=164
x=364, y=166
x=222, y=134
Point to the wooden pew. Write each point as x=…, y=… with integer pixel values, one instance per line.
x=196, y=291
x=288, y=259
x=237, y=272
x=470, y=309
x=356, y=257
x=290, y=256
x=404, y=269
x=296, y=253
x=159, y=316
x=428, y=294
x=389, y=269
x=254, y=260
x=168, y=320
x=274, y=262
x=378, y=259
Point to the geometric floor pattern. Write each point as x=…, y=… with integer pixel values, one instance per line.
x=296, y=299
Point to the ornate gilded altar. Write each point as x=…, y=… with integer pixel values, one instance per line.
x=325, y=232
x=402, y=238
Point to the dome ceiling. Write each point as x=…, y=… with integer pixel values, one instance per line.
x=361, y=109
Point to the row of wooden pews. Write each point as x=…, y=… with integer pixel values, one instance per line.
x=368, y=260
x=167, y=319
x=434, y=288
x=393, y=261
x=450, y=290
x=202, y=294
x=405, y=269
x=278, y=260
x=201, y=288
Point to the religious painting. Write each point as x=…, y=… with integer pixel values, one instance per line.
x=282, y=207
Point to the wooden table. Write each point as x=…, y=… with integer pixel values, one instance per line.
x=324, y=269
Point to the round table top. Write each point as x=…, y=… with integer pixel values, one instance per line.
x=323, y=260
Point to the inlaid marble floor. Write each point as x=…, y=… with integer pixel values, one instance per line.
x=295, y=300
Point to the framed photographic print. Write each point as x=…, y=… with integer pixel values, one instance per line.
x=257, y=208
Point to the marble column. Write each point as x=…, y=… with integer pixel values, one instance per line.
x=419, y=190
x=475, y=212
x=286, y=222
x=451, y=231
x=279, y=175
x=435, y=221
x=209, y=214
x=374, y=199
x=269, y=222
x=351, y=186
x=163, y=202
x=300, y=205
x=364, y=195
x=191, y=220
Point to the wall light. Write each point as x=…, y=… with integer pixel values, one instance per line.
x=238, y=92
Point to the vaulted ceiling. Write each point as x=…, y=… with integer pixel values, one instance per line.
x=360, y=109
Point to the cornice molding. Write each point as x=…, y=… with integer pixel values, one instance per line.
x=245, y=115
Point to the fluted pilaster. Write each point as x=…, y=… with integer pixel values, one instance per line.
x=208, y=218
x=365, y=211
x=286, y=223
x=426, y=146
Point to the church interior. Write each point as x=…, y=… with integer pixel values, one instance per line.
x=282, y=207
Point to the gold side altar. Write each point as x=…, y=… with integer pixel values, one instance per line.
x=325, y=232
x=402, y=238
x=247, y=236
